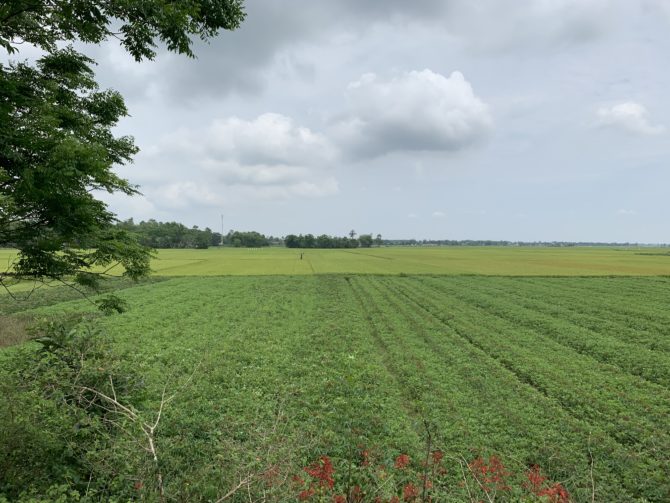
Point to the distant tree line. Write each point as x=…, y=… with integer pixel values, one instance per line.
x=251, y=239
x=171, y=234
x=175, y=235
x=488, y=242
x=326, y=241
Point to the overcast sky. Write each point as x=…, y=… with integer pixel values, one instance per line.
x=451, y=119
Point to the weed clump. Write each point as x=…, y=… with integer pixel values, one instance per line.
x=55, y=427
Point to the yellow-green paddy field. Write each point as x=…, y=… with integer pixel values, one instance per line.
x=492, y=261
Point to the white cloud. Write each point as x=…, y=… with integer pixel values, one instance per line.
x=439, y=214
x=416, y=111
x=235, y=160
x=241, y=193
x=626, y=212
x=133, y=206
x=184, y=194
x=269, y=139
x=629, y=116
x=232, y=173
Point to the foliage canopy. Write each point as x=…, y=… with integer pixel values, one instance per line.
x=56, y=142
x=170, y=234
x=138, y=24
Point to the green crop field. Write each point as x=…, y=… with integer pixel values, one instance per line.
x=276, y=361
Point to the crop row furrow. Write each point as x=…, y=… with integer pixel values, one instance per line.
x=466, y=330
x=492, y=393
x=452, y=335
x=582, y=399
x=648, y=305
x=360, y=396
x=632, y=411
x=475, y=404
x=438, y=334
x=523, y=311
x=650, y=308
x=578, y=310
x=412, y=363
x=623, y=288
x=368, y=309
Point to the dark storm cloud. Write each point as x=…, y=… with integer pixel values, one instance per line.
x=532, y=26
x=384, y=9
x=238, y=61
x=232, y=62
x=235, y=61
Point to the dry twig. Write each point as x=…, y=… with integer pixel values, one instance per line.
x=147, y=428
x=245, y=482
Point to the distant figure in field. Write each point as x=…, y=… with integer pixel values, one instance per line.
x=301, y=256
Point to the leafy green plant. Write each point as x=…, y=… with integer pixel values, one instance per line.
x=112, y=304
x=56, y=425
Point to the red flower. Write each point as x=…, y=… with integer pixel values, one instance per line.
x=401, y=461
x=535, y=480
x=556, y=493
x=306, y=494
x=491, y=475
x=437, y=456
x=409, y=492
x=339, y=498
x=322, y=470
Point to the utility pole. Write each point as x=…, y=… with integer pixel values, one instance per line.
x=221, y=229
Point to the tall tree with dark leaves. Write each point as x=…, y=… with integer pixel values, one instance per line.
x=56, y=142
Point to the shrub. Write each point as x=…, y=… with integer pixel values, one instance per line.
x=54, y=427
